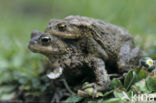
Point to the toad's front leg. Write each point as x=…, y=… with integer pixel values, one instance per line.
x=102, y=78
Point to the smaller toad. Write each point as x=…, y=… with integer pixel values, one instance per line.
x=71, y=57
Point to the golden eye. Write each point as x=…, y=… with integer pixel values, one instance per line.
x=46, y=39
x=62, y=27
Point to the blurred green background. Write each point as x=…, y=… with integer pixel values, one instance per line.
x=19, y=66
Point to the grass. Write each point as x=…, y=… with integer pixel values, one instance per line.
x=18, y=18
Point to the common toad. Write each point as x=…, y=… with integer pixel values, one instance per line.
x=77, y=41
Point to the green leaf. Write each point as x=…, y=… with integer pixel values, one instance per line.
x=133, y=77
x=118, y=93
x=95, y=101
x=141, y=87
x=113, y=100
x=129, y=79
x=92, y=102
x=100, y=101
x=107, y=93
x=141, y=75
x=89, y=91
x=73, y=99
x=151, y=83
x=130, y=93
x=115, y=83
x=122, y=95
x=7, y=96
x=7, y=89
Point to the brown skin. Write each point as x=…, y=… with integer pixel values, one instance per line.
x=115, y=44
x=79, y=41
x=70, y=55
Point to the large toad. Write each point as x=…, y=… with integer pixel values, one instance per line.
x=76, y=41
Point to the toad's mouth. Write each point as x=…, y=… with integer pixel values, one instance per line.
x=56, y=73
x=43, y=49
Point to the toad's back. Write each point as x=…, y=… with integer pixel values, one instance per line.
x=109, y=36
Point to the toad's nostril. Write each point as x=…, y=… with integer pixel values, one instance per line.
x=49, y=27
x=34, y=33
x=32, y=42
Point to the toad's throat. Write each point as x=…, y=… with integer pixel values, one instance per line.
x=39, y=49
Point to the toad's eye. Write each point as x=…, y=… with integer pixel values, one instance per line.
x=62, y=27
x=46, y=40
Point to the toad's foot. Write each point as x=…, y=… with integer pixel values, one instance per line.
x=92, y=90
x=102, y=79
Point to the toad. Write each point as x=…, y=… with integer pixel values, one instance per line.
x=76, y=41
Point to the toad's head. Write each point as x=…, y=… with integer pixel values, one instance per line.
x=46, y=44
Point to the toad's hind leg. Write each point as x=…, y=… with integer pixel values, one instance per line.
x=128, y=57
x=102, y=78
x=101, y=74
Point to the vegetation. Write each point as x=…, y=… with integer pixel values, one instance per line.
x=22, y=70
